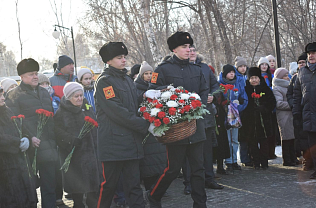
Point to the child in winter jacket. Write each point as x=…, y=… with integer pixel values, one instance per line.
x=43, y=81
x=239, y=98
x=85, y=79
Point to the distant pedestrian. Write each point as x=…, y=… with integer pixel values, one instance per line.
x=8, y=84
x=85, y=78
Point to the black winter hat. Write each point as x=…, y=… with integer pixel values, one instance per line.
x=179, y=38
x=310, y=47
x=64, y=61
x=303, y=56
x=27, y=65
x=112, y=49
x=226, y=69
x=253, y=71
x=135, y=70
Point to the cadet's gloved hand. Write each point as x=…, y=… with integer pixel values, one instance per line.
x=24, y=144
x=151, y=129
x=153, y=94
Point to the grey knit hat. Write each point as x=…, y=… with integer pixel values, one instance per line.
x=42, y=78
x=145, y=67
x=263, y=60
x=83, y=71
x=7, y=83
x=240, y=61
x=70, y=88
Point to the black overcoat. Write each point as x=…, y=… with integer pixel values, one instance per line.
x=83, y=175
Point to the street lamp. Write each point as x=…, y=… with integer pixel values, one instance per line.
x=56, y=35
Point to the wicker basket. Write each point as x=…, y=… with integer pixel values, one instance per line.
x=178, y=132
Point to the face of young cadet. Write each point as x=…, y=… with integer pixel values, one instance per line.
x=242, y=69
x=118, y=62
x=1, y=99
x=147, y=76
x=230, y=75
x=263, y=67
x=311, y=56
x=30, y=78
x=77, y=98
x=254, y=80
x=272, y=63
x=86, y=79
x=182, y=51
x=192, y=54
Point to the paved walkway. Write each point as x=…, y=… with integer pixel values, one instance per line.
x=278, y=186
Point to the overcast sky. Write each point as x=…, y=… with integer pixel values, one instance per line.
x=36, y=21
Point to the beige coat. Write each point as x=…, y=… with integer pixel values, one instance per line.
x=283, y=110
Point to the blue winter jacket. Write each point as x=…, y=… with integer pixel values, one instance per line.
x=241, y=94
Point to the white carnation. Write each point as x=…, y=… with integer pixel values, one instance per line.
x=154, y=111
x=184, y=96
x=166, y=95
x=196, y=96
x=172, y=103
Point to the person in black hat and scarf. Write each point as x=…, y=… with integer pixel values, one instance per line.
x=257, y=119
x=177, y=70
x=304, y=102
x=120, y=131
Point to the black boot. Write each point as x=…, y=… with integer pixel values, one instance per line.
x=220, y=168
x=286, y=153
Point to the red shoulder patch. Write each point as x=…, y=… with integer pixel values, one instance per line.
x=154, y=78
x=109, y=92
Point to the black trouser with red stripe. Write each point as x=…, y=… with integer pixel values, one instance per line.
x=176, y=156
x=131, y=183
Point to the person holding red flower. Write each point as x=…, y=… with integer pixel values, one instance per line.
x=84, y=173
x=26, y=99
x=235, y=94
x=257, y=123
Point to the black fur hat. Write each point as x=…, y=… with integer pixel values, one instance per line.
x=112, y=49
x=303, y=56
x=179, y=38
x=253, y=71
x=27, y=65
x=310, y=47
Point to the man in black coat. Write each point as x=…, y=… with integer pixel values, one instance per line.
x=304, y=102
x=177, y=70
x=26, y=99
x=120, y=131
x=210, y=131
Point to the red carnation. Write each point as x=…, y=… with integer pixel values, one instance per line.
x=159, y=105
x=13, y=117
x=157, y=122
x=172, y=111
x=192, y=98
x=142, y=109
x=149, y=100
x=198, y=103
x=182, y=101
x=182, y=111
x=161, y=114
x=186, y=91
x=173, y=97
x=151, y=119
x=86, y=118
x=166, y=120
x=96, y=124
x=194, y=104
x=187, y=108
x=146, y=115
x=21, y=116
x=265, y=76
x=258, y=96
x=230, y=87
x=253, y=95
x=178, y=90
x=235, y=90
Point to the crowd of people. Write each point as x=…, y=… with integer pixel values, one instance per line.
x=110, y=161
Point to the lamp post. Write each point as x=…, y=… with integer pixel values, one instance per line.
x=56, y=35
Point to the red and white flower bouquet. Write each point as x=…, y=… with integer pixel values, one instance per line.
x=172, y=107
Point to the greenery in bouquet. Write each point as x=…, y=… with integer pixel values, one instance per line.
x=173, y=106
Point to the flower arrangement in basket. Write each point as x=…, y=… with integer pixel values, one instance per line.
x=173, y=107
x=43, y=116
x=88, y=125
x=18, y=120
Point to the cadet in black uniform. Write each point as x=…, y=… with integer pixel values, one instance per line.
x=177, y=70
x=120, y=131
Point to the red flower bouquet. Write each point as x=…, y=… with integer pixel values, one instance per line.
x=88, y=125
x=172, y=107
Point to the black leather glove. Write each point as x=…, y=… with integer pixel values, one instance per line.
x=241, y=100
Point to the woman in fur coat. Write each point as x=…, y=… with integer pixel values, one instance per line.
x=16, y=187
